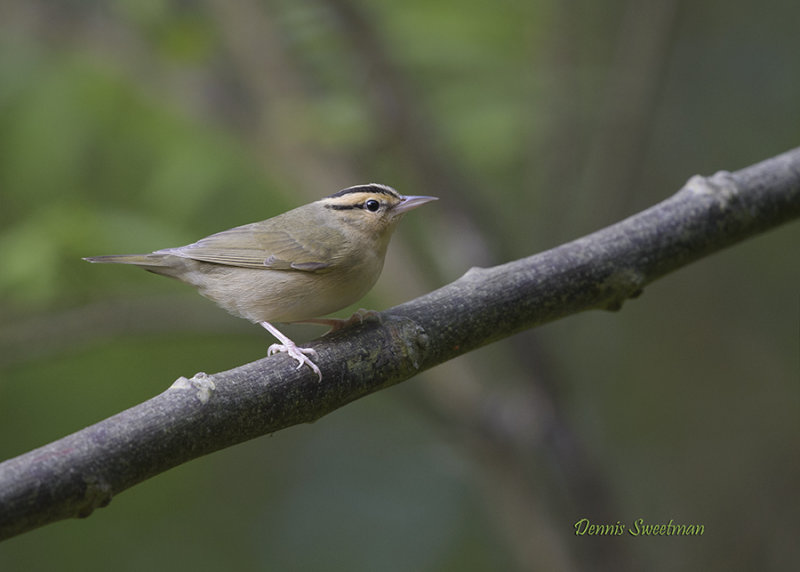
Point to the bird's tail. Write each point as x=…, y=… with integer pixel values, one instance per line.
x=136, y=259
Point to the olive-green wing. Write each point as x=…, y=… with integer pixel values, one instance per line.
x=260, y=245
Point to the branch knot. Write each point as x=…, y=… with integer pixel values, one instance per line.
x=201, y=381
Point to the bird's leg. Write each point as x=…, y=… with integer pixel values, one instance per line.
x=289, y=347
x=336, y=324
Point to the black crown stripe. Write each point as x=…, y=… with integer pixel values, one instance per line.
x=370, y=188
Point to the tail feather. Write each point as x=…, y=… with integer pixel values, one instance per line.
x=136, y=259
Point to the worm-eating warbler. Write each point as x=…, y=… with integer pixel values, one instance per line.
x=295, y=267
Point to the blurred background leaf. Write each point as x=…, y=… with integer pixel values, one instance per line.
x=135, y=125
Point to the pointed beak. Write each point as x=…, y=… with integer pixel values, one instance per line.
x=412, y=203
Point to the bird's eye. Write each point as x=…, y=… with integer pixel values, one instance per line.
x=372, y=205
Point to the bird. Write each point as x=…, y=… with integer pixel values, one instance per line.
x=295, y=267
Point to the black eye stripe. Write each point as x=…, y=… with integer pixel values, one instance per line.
x=358, y=206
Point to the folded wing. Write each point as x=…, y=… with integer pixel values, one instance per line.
x=254, y=246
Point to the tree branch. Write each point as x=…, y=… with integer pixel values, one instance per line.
x=74, y=475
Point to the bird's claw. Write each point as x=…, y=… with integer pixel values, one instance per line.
x=301, y=355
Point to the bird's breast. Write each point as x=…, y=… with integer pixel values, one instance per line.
x=286, y=295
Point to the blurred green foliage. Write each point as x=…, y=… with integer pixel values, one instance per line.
x=130, y=126
x=91, y=162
